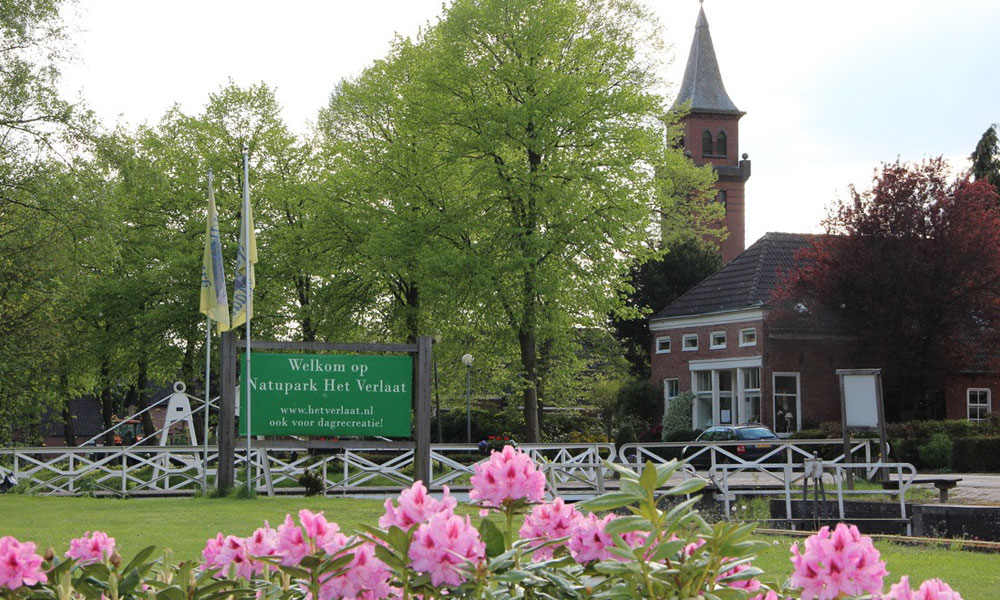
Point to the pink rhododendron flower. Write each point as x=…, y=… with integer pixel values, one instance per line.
x=507, y=475
x=234, y=553
x=211, y=551
x=365, y=577
x=690, y=548
x=324, y=535
x=415, y=507
x=549, y=522
x=263, y=542
x=19, y=564
x=292, y=543
x=770, y=595
x=589, y=541
x=91, y=548
x=841, y=562
x=748, y=585
x=932, y=589
x=442, y=545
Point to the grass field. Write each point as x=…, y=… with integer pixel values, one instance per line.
x=183, y=525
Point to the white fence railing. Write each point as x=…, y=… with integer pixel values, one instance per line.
x=572, y=469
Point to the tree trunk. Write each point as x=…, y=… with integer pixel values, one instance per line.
x=302, y=288
x=411, y=310
x=529, y=362
x=69, y=429
x=142, y=399
x=107, y=408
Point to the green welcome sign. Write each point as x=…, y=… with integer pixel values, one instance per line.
x=327, y=395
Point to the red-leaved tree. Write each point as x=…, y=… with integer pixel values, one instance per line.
x=911, y=270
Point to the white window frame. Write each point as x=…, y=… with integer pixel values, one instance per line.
x=684, y=342
x=711, y=340
x=667, y=398
x=743, y=333
x=798, y=400
x=659, y=350
x=968, y=403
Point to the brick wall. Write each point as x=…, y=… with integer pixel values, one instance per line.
x=675, y=364
x=956, y=399
x=816, y=361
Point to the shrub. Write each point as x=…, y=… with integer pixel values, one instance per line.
x=625, y=435
x=977, y=454
x=936, y=454
x=678, y=416
x=684, y=435
x=639, y=400
x=312, y=483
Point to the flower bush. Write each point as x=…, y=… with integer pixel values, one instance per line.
x=633, y=546
x=494, y=443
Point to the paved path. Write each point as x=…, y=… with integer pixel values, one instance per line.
x=974, y=488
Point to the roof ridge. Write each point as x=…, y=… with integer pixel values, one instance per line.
x=755, y=282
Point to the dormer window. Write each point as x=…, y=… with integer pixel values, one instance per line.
x=706, y=143
x=720, y=144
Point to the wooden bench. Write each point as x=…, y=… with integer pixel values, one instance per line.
x=943, y=484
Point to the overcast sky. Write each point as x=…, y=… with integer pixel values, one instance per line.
x=830, y=89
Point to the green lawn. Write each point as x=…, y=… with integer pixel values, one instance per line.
x=183, y=525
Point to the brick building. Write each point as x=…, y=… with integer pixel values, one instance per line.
x=721, y=340
x=711, y=133
x=718, y=341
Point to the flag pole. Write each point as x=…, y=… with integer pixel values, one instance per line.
x=208, y=378
x=249, y=305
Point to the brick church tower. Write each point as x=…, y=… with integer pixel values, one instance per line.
x=712, y=133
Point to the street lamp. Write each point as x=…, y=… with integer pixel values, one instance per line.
x=467, y=361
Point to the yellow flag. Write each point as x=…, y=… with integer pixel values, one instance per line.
x=244, y=285
x=214, y=302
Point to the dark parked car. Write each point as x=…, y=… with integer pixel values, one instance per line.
x=759, y=441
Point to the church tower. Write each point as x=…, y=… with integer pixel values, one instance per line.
x=711, y=133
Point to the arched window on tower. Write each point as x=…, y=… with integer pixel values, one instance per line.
x=706, y=143
x=720, y=144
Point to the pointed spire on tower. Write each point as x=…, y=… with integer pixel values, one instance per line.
x=702, y=84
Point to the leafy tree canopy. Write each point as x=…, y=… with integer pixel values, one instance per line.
x=986, y=158
x=910, y=269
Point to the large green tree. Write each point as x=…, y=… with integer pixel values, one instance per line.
x=42, y=211
x=510, y=157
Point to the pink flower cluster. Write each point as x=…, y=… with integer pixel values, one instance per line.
x=507, y=476
x=444, y=545
x=91, y=548
x=836, y=563
x=549, y=522
x=19, y=565
x=932, y=589
x=365, y=576
x=415, y=507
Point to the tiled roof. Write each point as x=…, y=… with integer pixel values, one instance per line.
x=702, y=84
x=745, y=282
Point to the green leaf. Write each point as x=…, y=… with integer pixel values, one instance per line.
x=139, y=559
x=171, y=593
x=686, y=487
x=609, y=501
x=665, y=471
x=388, y=557
x=129, y=582
x=648, y=478
x=626, y=524
x=492, y=537
x=667, y=550
x=623, y=471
